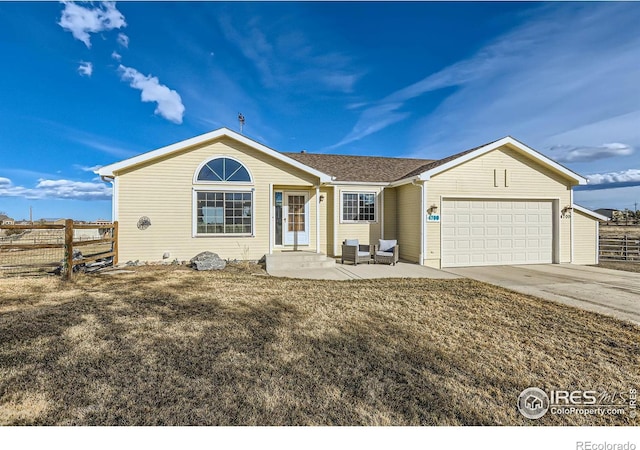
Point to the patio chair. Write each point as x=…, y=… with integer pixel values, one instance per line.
x=386, y=252
x=355, y=252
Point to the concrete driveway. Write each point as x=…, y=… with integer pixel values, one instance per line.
x=606, y=291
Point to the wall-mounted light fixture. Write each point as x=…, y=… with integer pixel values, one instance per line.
x=566, y=211
x=432, y=209
x=321, y=198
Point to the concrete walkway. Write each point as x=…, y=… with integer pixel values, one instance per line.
x=365, y=271
x=612, y=292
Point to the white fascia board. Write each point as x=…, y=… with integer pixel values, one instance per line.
x=359, y=183
x=405, y=181
x=588, y=212
x=112, y=168
x=425, y=176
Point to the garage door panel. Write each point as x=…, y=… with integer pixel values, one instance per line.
x=489, y=232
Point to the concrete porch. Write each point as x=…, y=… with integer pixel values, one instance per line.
x=361, y=272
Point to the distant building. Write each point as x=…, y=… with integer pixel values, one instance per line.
x=607, y=212
x=6, y=220
x=102, y=222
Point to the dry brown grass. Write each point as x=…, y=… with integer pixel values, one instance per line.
x=171, y=346
x=618, y=231
x=627, y=266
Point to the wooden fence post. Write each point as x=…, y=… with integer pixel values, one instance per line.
x=115, y=243
x=68, y=249
x=625, y=248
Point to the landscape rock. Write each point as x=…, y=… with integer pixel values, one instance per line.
x=208, y=261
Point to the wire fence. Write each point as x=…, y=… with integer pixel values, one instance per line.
x=56, y=248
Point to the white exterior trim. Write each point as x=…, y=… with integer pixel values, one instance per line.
x=359, y=183
x=588, y=212
x=317, y=219
x=381, y=194
x=203, y=163
x=571, y=227
x=194, y=209
x=375, y=206
x=597, y=242
x=336, y=212
x=272, y=218
x=423, y=219
x=111, y=169
x=115, y=197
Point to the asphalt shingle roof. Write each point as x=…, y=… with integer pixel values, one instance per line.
x=360, y=168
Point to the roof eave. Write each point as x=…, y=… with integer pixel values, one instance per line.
x=580, y=180
x=112, y=169
x=588, y=212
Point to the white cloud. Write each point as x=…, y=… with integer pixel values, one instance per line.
x=87, y=168
x=123, y=40
x=117, y=56
x=570, y=153
x=85, y=69
x=561, y=69
x=57, y=189
x=169, y=102
x=625, y=176
x=81, y=21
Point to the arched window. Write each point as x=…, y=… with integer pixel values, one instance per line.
x=224, y=210
x=224, y=169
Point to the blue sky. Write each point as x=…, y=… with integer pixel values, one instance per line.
x=88, y=84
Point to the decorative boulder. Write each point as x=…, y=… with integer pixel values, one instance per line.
x=208, y=261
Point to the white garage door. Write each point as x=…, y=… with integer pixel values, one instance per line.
x=493, y=232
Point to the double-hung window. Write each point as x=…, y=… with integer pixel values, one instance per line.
x=225, y=207
x=358, y=207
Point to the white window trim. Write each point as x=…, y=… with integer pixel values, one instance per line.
x=218, y=183
x=375, y=206
x=194, y=211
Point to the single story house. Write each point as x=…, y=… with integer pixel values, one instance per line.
x=6, y=220
x=499, y=203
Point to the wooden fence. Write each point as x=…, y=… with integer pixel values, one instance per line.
x=25, y=255
x=626, y=248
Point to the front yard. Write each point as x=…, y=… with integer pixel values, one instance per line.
x=171, y=346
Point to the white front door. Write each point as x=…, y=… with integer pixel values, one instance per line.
x=296, y=218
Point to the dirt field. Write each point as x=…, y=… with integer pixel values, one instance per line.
x=171, y=346
x=619, y=231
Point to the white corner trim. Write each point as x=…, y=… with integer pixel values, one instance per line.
x=110, y=169
x=317, y=219
x=115, y=199
x=588, y=212
x=272, y=217
x=571, y=220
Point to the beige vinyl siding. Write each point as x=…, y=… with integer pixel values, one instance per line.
x=408, y=221
x=477, y=178
x=163, y=191
x=390, y=213
x=366, y=233
x=585, y=230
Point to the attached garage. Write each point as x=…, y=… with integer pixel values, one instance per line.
x=482, y=232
